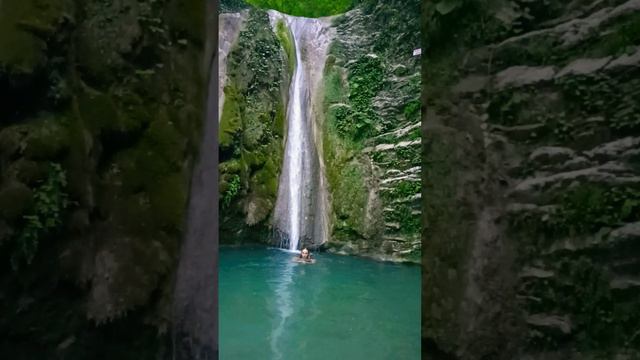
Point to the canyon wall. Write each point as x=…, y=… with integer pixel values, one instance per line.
x=531, y=179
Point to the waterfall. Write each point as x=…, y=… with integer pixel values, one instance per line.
x=300, y=214
x=296, y=137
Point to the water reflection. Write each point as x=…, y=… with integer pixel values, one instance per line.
x=284, y=305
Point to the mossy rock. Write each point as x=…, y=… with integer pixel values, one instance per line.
x=47, y=139
x=108, y=34
x=286, y=40
x=230, y=121
x=264, y=182
x=230, y=167
x=27, y=171
x=15, y=199
x=97, y=110
x=12, y=140
x=24, y=28
x=254, y=159
x=350, y=197
x=159, y=154
x=255, y=128
x=257, y=209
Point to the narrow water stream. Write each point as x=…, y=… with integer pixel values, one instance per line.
x=298, y=218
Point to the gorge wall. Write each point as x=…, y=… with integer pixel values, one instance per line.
x=531, y=179
x=100, y=120
x=365, y=127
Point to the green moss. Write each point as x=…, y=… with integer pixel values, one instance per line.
x=407, y=217
x=286, y=40
x=97, y=110
x=279, y=123
x=23, y=25
x=334, y=86
x=159, y=153
x=622, y=37
x=48, y=139
x=601, y=320
x=230, y=167
x=402, y=190
x=253, y=122
x=349, y=197
x=602, y=94
x=231, y=121
x=583, y=210
x=412, y=110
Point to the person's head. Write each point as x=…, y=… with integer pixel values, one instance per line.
x=304, y=253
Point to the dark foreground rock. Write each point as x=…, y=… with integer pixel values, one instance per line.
x=531, y=180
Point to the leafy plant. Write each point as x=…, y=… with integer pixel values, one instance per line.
x=50, y=201
x=412, y=109
x=232, y=191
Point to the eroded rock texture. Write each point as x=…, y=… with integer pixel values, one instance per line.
x=371, y=131
x=100, y=114
x=531, y=180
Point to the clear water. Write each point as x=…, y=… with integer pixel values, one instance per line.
x=338, y=308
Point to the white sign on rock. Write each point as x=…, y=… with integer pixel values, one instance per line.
x=417, y=52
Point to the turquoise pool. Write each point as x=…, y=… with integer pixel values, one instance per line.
x=341, y=307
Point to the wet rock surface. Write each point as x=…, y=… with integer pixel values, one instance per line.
x=101, y=107
x=552, y=272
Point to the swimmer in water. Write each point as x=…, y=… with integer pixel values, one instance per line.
x=305, y=257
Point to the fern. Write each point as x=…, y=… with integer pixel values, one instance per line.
x=49, y=202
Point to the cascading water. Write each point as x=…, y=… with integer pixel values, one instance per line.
x=295, y=139
x=300, y=215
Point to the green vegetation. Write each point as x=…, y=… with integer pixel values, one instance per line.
x=306, y=8
x=341, y=144
x=351, y=199
x=251, y=134
x=404, y=189
x=357, y=120
x=286, y=40
x=408, y=218
x=50, y=201
x=412, y=110
x=232, y=191
x=582, y=211
x=353, y=77
x=601, y=94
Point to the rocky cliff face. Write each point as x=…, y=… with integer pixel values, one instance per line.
x=252, y=128
x=371, y=131
x=99, y=124
x=366, y=131
x=531, y=208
